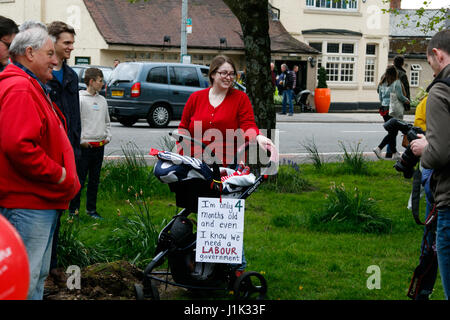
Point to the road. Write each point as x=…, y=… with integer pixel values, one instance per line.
x=292, y=137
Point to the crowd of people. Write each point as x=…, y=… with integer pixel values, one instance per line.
x=52, y=136
x=48, y=140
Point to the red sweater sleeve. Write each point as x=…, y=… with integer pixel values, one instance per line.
x=20, y=136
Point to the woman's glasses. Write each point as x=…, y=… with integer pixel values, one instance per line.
x=225, y=74
x=7, y=44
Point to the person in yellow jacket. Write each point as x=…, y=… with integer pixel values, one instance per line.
x=420, y=116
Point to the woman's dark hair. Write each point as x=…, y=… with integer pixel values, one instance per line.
x=92, y=74
x=7, y=27
x=389, y=76
x=398, y=61
x=216, y=63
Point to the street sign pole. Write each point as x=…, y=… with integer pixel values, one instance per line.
x=184, y=9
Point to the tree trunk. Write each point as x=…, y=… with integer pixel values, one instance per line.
x=254, y=19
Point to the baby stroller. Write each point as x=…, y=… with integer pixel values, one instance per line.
x=302, y=100
x=190, y=179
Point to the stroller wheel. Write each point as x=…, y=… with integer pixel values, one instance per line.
x=152, y=294
x=250, y=285
x=139, y=291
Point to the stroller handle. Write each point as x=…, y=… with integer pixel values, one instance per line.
x=215, y=165
x=271, y=152
x=181, y=137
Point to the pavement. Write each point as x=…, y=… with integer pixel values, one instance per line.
x=360, y=117
x=305, y=117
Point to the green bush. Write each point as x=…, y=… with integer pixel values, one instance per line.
x=120, y=175
x=72, y=251
x=350, y=211
x=136, y=239
x=322, y=78
x=313, y=154
x=353, y=160
x=288, y=180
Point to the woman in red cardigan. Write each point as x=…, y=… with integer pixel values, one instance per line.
x=210, y=113
x=220, y=110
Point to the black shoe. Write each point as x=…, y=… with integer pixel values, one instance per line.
x=283, y=113
x=95, y=215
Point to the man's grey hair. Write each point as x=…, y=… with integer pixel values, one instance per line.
x=31, y=34
x=32, y=24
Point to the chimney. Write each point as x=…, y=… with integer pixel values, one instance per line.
x=396, y=4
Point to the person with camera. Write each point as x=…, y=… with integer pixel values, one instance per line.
x=434, y=149
x=424, y=276
x=392, y=98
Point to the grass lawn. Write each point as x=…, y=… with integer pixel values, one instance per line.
x=299, y=260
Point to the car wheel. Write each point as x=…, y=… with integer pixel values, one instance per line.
x=127, y=121
x=159, y=116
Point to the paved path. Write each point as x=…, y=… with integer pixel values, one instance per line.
x=337, y=117
x=364, y=117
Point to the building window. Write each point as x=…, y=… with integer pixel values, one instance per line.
x=369, y=68
x=371, y=49
x=316, y=45
x=333, y=4
x=414, y=78
x=369, y=71
x=415, y=75
x=348, y=48
x=339, y=60
x=333, y=48
x=332, y=67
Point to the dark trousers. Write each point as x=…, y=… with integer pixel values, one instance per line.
x=391, y=139
x=388, y=149
x=90, y=164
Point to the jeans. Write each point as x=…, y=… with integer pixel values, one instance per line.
x=287, y=98
x=36, y=228
x=243, y=264
x=90, y=164
x=443, y=247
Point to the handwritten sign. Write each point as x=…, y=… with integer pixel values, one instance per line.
x=220, y=230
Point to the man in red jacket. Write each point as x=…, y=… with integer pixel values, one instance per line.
x=37, y=167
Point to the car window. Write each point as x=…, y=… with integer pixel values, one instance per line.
x=125, y=72
x=157, y=75
x=106, y=73
x=205, y=72
x=78, y=71
x=184, y=76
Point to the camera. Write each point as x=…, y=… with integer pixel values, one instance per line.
x=408, y=160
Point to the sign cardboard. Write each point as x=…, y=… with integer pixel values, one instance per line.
x=220, y=230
